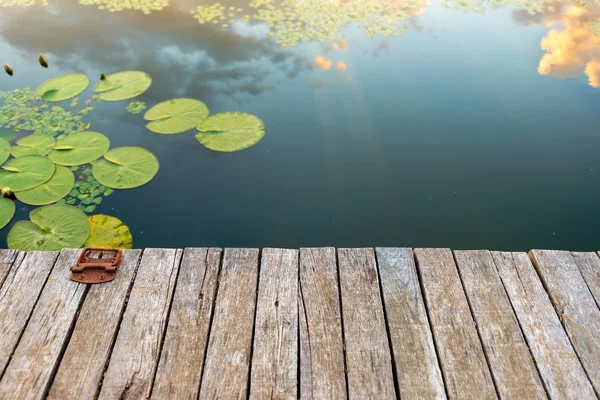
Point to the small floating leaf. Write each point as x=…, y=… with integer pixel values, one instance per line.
x=33, y=145
x=8, y=69
x=4, y=150
x=230, y=131
x=176, y=116
x=63, y=87
x=26, y=172
x=79, y=148
x=43, y=61
x=123, y=85
x=126, y=168
x=108, y=232
x=51, y=228
x=7, y=211
x=50, y=192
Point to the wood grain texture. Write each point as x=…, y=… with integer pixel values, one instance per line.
x=589, y=266
x=137, y=348
x=7, y=258
x=557, y=363
x=511, y=363
x=368, y=356
x=182, y=357
x=321, y=343
x=461, y=355
x=574, y=304
x=275, y=357
x=80, y=371
x=416, y=363
x=228, y=355
x=18, y=296
x=31, y=368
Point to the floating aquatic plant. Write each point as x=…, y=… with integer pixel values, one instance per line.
x=37, y=144
x=59, y=185
x=26, y=172
x=176, y=116
x=79, y=148
x=108, y=232
x=230, y=131
x=63, y=87
x=126, y=168
x=7, y=211
x=136, y=107
x=123, y=85
x=4, y=150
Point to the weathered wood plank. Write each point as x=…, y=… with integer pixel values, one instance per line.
x=80, y=371
x=575, y=306
x=7, y=258
x=18, y=296
x=137, y=348
x=182, y=357
x=463, y=361
x=31, y=368
x=275, y=357
x=229, y=350
x=511, y=363
x=321, y=345
x=368, y=356
x=589, y=266
x=557, y=363
x=417, y=368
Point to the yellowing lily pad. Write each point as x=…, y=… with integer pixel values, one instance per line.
x=50, y=192
x=176, y=116
x=230, y=131
x=79, y=148
x=7, y=211
x=108, y=232
x=26, y=172
x=123, y=85
x=126, y=168
x=51, y=228
x=4, y=150
x=63, y=87
x=33, y=145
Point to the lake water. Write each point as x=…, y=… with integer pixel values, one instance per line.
x=478, y=126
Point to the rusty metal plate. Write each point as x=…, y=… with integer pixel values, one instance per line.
x=93, y=269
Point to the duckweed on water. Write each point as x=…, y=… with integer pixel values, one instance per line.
x=136, y=107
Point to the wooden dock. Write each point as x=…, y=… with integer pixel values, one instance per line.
x=316, y=323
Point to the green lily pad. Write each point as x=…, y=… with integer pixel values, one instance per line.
x=176, y=116
x=51, y=228
x=79, y=148
x=108, y=232
x=123, y=85
x=4, y=150
x=33, y=145
x=7, y=211
x=230, y=131
x=50, y=192
x=126, y=168
x=26, y=172
x=63, y=87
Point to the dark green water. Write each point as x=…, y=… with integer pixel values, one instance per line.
x=462, y=132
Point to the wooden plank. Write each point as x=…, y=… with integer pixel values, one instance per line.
x=80, y=371
x=511, y=363
x=7, y=258
x=18, y=296
x=182, y=357
x=368, y=356
x=463, y=361
x=557, y=363
x=575, y=306
x=36, y=357
x=321, y=345
x=137, y=348
x=275, y=357
x=229, y=350
x=589, y=266
x=417, y=369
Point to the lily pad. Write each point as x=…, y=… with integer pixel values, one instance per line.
x=26, y=172
x=123, y=85
x=230, y=131
x=33, y=145
x=7, y=211
x=79, y=148
x=50, y=192
x=176, y=116
x=108, y=232
x=51, y=228
x=126, y=168
x=63, y=87
x=4, y=150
